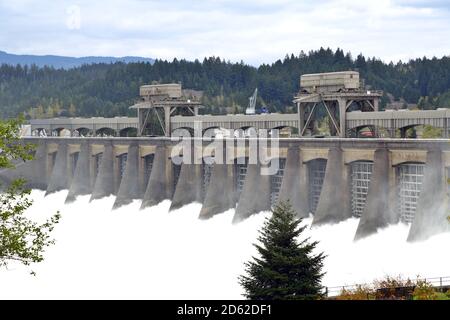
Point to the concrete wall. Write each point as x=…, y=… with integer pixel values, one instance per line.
x=53, y=168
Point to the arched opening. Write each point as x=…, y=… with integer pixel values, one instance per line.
x=360, y=175
x=365, y=131
x=185, y=132
x=276, y=180
x=128, y=132
x=409, y=178
x=316, y=175
x=216, y=132
x=39, y=132
x=420, y=131
x=106, y=132
x=61, y=132
x=284, y=132
x=368, y=131
x=82, y=132
x=249, y=132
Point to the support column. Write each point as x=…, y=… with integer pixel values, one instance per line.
x=376, y=104
x=432, y=209
x=157, y=183
x=167, y=120
x=301, y=118
x=129, y=185
x=445, y=129
x=291, y=187
x=81, y=182
x=59, y=177
x=342, y=117
x=377, y=212
x=188, y=188
x=220, y=195
x=169, y=174
x=104, y=183
x=334, y=202
x=140, y=122
x=255, y=196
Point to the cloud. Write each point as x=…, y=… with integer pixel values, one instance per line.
x=254, y=31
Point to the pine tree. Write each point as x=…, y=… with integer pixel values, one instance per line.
x=286, y=269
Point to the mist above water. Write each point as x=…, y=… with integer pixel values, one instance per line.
x=156, y=254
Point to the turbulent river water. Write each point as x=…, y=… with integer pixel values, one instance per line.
x=156, y=254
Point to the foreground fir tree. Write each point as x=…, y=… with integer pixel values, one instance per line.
x=286, y=269
x=21, y=239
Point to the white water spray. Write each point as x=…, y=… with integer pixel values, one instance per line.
x=153, y=254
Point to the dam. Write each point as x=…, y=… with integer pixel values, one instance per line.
x=380, y=180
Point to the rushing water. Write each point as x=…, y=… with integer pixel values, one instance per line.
x=153, y=254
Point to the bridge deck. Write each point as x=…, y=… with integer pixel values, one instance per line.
x=390, y=120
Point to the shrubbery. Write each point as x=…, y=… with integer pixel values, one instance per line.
x=394, y=288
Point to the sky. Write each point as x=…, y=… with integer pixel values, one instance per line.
x=255, y=31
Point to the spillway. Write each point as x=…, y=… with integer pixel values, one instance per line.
x=379, y=181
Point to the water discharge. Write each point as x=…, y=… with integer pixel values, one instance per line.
x=153, y=254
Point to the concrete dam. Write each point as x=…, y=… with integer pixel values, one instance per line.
x=379, y=181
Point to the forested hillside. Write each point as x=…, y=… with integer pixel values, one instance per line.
x=108, y=89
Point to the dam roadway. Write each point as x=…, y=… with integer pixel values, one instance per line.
x=379, y=181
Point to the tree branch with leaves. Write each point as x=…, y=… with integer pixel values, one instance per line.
x=21, y=239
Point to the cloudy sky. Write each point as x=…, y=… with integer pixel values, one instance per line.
x=255, y=31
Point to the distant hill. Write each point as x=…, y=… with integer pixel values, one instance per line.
x=63, y=62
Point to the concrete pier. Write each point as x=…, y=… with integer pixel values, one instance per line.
x=188, y=188
x=129, y=185
x=377, y=212
x=60, y=176
x=220, y=195
x=104, y=184
x=293, y=187
x=334, y=202
x=255, y=196
x=431, y=214
x=81, y=182
x=157, y=188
